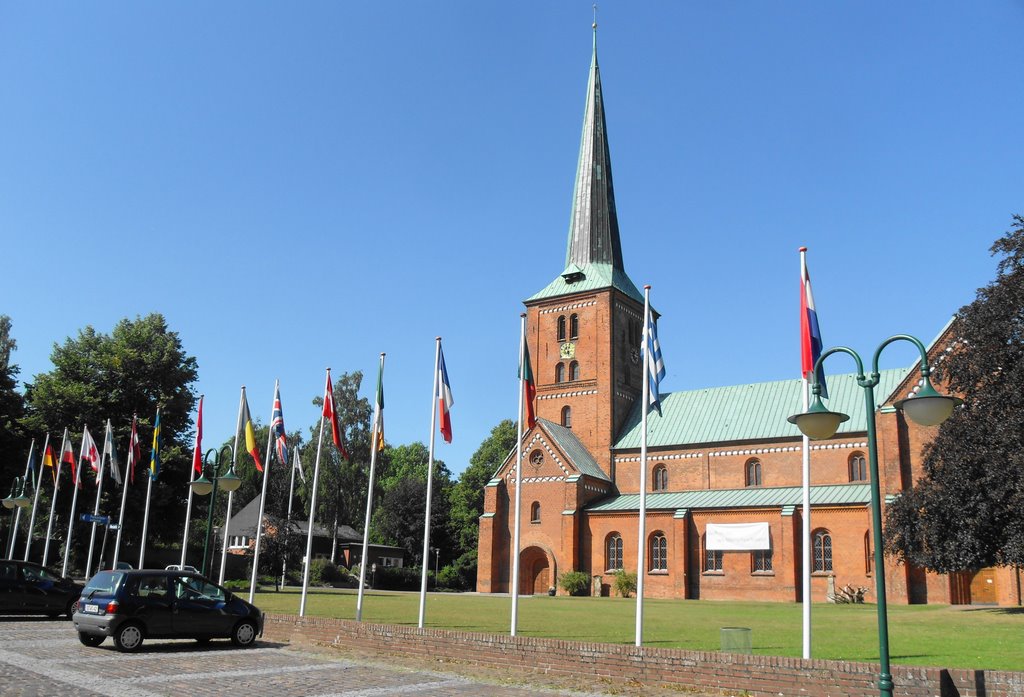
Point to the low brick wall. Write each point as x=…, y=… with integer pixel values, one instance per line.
x=621, y=664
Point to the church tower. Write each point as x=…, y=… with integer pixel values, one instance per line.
x=583, y=328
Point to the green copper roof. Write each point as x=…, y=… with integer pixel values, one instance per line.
x=747, y=412
x=569, y=444
x=750, y=497
x=595, y=277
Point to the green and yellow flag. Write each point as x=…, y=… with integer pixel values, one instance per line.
x=380, y=407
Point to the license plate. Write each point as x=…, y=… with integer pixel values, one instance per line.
x=94, y=609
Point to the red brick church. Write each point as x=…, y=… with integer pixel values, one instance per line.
x=716, y=455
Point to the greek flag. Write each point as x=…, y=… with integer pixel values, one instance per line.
x=656, y=366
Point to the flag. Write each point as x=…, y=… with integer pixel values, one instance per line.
x=32, y=465
x=380, y=407
x=111, y=450
x=89, y=450
x=134, y=452
x=529, y=387
x=250, y=434
x=444, y=397
x=656, y=366
x=277, y=428
x=197, y=453
x=298, y=465
x=154, y=458
x=330, y=413
x=810, y=334
x=68, y=456
x=50, y=460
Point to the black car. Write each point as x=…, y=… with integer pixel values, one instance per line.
x=27, y=588
x=130, y=606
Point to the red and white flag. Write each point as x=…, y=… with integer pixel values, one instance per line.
x=444, y=397
x=331, y=414
x=68, y=455
x=90, y=452
x=134, y=452
x=197, y=453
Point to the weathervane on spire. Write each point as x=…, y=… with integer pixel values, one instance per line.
x=595, y=17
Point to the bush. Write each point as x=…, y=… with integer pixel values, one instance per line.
x=460, y=574
x=237, y=585
x=323, y=573
x=395, y=578
x=575, y=582
x=625, y=583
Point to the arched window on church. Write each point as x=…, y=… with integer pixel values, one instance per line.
x=822, y=540
x=869, y=557
x=561, y=328
x=659, y=552
x=660, y=478
x=535, y=512
x=567, y=417
x=753, y=472
x=559, y=372
x=574, y=327
x=712, y=557
x=858, y=468
x=574, y=371
x=613, y=552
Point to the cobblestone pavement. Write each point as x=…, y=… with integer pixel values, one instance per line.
x=44, y=658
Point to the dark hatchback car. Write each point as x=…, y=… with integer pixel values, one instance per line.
x=27, y=588
x=131, y=606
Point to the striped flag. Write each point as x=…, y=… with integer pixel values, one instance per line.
x=332, y=415
x=810, y=334
x=197, y=452
x=656, y=366
x=67, y=455
x=380, y=407
x=444, y=397
x=277, y=428
x=529, y=387
x=89, y=450
x=154, y=458
x=111, y=451
x=134, y=451
x=50, y=460
x=250, y=434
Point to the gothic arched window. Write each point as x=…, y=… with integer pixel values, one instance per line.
x=559, y=372
x=561, y=328
x=613, y=551
x=822, y=550
x=574, y=327
x=858, y=468
x=659, y=552
x=574, y=371
x=535, y=512
x=754, y=472
x=660, y=478
x=567, y=417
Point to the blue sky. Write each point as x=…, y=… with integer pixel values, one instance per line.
x=303, y=185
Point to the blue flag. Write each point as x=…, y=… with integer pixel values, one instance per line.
x=656, y=366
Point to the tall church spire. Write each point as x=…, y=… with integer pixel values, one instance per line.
x=594, y=227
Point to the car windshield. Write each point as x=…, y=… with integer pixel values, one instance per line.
x=105, y=582
x=38, y=573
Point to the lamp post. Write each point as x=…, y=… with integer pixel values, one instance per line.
x=16, y=501
x=927, y=408
x=203, y=486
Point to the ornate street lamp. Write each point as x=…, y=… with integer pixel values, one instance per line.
x=16, y=500
x=203, y=486
x=927, y=407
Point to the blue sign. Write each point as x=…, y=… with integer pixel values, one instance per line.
x=90, y=518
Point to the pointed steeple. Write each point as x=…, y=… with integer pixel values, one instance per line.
x=594, y=227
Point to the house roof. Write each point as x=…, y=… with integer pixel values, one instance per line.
x=749, y=497
x=569, y=444
x=244, y=523
x=747, y=412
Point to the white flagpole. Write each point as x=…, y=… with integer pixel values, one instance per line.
x=263, y=496
x=806, y=511
x=374, y=445
x=53, y=501
x=192, y=478
x=76, y=479
x=148, y=495
x=288, y=520
x=642, y=523
x=37, y=483
x=124, y=495
x=430, y=482
x=96, y=508
x=519, y=477
x=231, y=494
x=17, y=513
x=312, y=509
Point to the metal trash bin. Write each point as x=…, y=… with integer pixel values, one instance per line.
x=736, y=640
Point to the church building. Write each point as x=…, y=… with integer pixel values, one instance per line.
x=717, y=455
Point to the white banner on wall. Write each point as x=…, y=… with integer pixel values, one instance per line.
x=737, y=536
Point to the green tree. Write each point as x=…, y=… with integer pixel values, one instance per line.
x=967, y=511
x=467, y=495
x=13, y=441
x=139, y=366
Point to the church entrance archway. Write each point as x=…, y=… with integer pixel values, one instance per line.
x=535, y=575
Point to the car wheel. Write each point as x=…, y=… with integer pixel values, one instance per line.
x=244, y=634
x=71, y=609
x=90, y=639
x=128, y=637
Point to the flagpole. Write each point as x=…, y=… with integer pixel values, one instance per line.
x=195, y=454
x=35, y=499
x=312, y=506
x=642, y=523
x=288, y=521
x=17, y=513
x=53, y=501
x=805, y=534
x=124, y=493
x=430, y=480
x=76, y=478
x=96, y=508
x=231, y=494
x=519, y=476
x=374, y=447
x=149, y=493
x=263, y=494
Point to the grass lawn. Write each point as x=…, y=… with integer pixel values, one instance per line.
x=923, y=635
